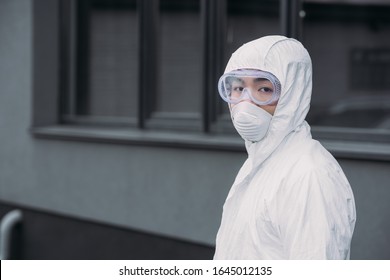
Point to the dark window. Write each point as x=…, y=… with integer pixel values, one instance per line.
x=154, y=64
x=112, y=67
x=102, y=58
x=178, y=98
x=350, y=49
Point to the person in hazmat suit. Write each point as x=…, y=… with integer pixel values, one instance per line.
x=290, y=199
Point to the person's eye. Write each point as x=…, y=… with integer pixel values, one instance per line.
x=238, y=89
x=266, y=90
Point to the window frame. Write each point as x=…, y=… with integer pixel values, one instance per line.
x=50, y=82
x=148, y=16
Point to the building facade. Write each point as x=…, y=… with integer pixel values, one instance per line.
x=115, y=145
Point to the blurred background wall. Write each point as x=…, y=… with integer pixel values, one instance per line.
x=114, y=143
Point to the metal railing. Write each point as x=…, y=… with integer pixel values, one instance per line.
x=8, y=222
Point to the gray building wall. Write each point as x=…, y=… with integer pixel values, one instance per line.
x=170, y=191
x=173, y=192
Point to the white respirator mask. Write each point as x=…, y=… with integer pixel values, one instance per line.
x=250, y=121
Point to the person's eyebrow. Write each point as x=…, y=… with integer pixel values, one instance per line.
x=260, y=79
x=238, y=79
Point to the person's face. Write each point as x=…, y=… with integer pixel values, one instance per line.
x=260, y=89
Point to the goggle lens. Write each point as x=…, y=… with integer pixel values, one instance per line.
x=261, y=87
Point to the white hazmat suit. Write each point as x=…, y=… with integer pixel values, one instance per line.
x=290, y=199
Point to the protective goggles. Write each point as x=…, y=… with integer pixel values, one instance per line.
x=261, y=87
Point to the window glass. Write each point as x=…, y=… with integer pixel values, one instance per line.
x=179, y=92
x=249, y=20
x=350, y=49
x=110, y=87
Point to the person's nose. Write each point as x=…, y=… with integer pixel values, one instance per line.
x=246, y=94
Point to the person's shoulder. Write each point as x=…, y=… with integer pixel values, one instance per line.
x=314, y=159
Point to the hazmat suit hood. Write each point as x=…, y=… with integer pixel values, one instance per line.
x=290, y=62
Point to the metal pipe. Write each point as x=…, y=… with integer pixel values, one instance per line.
x=8, y=222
